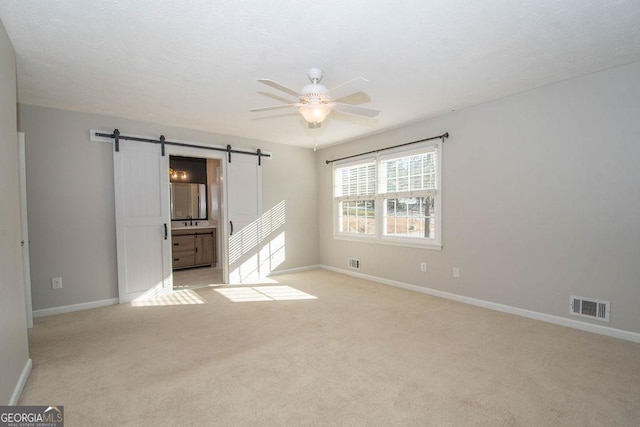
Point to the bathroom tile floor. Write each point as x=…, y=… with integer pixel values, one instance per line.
x=192, y=278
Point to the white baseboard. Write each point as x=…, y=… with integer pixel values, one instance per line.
x=294, y=270
x=556, y=320
x=74, y=307
x=17, y=391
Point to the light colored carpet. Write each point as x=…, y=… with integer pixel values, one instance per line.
x=359, y=354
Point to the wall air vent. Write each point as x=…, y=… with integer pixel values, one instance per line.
x=588, y=307
x=354, y=263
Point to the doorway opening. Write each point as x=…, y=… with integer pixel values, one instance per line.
x=195, y=200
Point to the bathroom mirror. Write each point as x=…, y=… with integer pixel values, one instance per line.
x=188, y=200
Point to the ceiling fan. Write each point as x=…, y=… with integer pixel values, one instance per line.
x=315, y=102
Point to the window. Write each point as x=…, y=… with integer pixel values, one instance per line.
x=355, y=191
x=393, y=198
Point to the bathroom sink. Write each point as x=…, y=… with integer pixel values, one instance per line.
x=193, y=227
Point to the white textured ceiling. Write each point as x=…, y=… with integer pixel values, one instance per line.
x=195, y=63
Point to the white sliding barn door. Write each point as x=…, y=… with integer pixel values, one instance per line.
x=244, y=208
x=141, y=181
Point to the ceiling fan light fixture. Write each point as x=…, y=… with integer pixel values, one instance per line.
x=314, y=113
x=315, y=102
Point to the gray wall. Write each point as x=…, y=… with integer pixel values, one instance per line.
x=14, y=353
x=541, y=200
x=71, y=201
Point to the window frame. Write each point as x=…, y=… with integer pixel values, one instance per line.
x=379, y=198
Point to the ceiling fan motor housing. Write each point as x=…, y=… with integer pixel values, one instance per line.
x=313, y=92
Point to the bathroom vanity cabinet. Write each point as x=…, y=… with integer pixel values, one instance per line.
x=193, y=247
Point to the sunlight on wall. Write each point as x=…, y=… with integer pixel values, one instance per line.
x=264, y=293
x=182, y=297
x=272, y=255
x=261, y=258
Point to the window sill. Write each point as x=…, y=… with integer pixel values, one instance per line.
x=388, y=241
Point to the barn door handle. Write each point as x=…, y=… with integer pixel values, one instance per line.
x=165, y=231
x=231, y=222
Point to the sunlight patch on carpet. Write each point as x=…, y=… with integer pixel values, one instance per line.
x=181, y=297
x=264, y=293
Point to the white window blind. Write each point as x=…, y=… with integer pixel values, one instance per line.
x=358, y=181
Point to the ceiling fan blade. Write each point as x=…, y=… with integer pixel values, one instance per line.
x=348, y=88
x=274, y=107
x=278, y=86
x=277, y=97
x=354, y=109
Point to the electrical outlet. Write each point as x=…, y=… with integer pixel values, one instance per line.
x=456, y=272
x=56, y=283
x=423, y=267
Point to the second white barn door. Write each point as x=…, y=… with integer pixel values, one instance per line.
x=244, y=208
